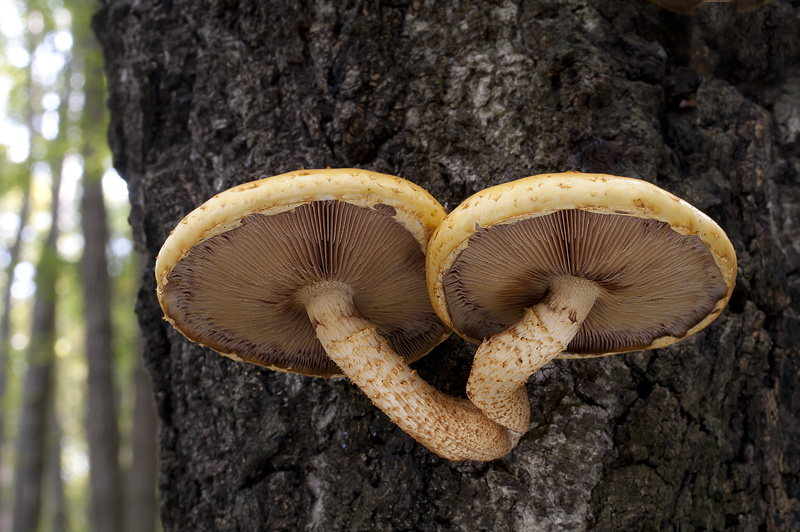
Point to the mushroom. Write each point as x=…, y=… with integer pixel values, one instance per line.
x=571, y=266
x=322, y=272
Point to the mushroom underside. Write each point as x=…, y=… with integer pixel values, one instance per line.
x=238, y=292
x=654, y=281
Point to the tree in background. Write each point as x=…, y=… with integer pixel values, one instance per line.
x=141, y=505
x=53, y=134
x=102, y=430
x=37, y=408
x=37, y=393
x=14, y=252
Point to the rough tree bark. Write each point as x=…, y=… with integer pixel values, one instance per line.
x=457, y=96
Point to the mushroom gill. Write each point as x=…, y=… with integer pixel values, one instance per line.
x=237, y=292
x=653, y=281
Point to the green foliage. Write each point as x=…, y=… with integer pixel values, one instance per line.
x=15, y=176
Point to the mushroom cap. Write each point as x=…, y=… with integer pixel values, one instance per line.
x=232, y=274
x=666, y=270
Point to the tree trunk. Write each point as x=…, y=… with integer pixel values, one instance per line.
x=37, y=388
x=105, y=506
x=101, y=419
x=142, y=513
x=5, y=342
x=457, y=96
x=37, y=394
x=56, y=499
x=14, y=253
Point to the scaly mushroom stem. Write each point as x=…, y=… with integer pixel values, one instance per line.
x=504, y=361
x=450, y=427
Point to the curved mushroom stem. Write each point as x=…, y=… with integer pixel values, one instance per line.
x=450, y=427
x=504, y=361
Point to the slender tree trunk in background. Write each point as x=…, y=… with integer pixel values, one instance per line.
x=37, y=404
x=101, y=418
x=5, y=339
x=142, y=513
x=105, y=512
x=55, y=496
x=457, y=96
x=38, y=385
x=5, y=323
x=141, y=508
x=5, y=328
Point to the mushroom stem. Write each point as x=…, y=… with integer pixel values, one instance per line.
x=504, y=361
x=450, y=427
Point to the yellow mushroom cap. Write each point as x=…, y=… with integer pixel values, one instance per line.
x=230, y=274
x=666, y=270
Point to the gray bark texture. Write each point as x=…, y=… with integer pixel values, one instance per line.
x=457, y=96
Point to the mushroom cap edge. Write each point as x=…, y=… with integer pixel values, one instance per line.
x=545, y=194
x=418, y=211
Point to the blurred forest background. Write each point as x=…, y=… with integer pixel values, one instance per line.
x=77, y=425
